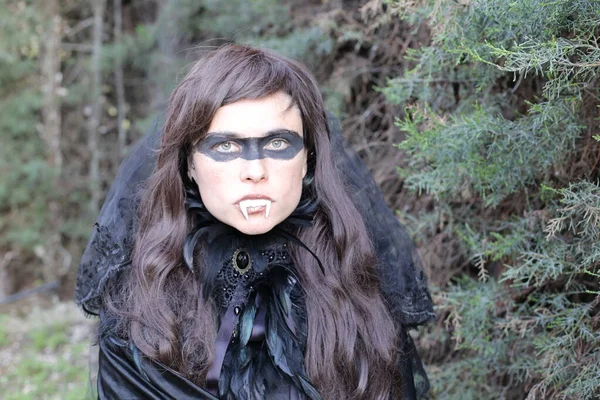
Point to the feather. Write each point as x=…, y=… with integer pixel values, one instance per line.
x=304, y=213
x=253, y=369
x=224, y=383
x=276, y=346
x=137, y=360
x=189, y=246
x=282, y=343
x=247, y=320
x=297, y=241
x=256, y=381
x=282, y=306
x=194, y=203
x=309, y=389
x=220, y=246
x=283, y=297
x=245, y=357
x=237, y=386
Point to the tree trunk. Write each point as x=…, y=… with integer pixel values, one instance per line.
x=168, y=42
x=119, y=84
x=52, y=79
x=96, y=106
x=51, y=132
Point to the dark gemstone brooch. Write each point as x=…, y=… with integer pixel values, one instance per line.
x=241, y=261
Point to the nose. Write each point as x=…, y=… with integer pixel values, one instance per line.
x=254, y=171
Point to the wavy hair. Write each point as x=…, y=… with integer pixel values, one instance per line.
x=351, y=350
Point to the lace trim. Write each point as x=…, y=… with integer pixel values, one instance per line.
x=104, y=259
x=233, y=286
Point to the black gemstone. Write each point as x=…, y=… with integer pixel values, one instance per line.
x=242, y=259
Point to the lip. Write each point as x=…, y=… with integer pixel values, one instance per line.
x=254, y=197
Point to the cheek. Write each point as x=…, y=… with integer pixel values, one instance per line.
x=209, y=176
x=289, y=174
x=212, y=177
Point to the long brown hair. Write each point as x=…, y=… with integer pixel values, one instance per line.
x=352, y=342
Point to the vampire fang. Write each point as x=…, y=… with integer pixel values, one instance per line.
x=250, y=203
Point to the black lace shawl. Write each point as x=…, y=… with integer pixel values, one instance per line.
x=403, y=282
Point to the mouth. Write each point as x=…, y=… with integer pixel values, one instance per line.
x=255, y=206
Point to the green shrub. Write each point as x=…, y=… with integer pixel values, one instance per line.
x=499, y=122
x=26, y=182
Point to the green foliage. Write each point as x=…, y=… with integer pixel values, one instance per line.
x=48, y=360
x=309, y=45
x=264, y=23
x=532, y=37
x=26, y=182
x=63, y=377
x=495, y=117
x=242, y=18
x=571, y=247
x=3, y=332
x=48, y=338
x=267, y=24
x=467, y=155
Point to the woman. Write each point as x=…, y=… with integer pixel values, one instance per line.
x=252, y=273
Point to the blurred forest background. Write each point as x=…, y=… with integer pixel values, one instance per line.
x=478, y=118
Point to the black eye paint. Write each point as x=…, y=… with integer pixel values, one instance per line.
x=252, y=148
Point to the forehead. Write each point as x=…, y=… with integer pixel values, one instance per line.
x=256, y=117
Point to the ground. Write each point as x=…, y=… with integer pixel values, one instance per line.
x=45, y=351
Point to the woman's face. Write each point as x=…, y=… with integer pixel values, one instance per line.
x=250, y=165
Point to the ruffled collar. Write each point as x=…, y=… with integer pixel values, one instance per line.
x=222, y=240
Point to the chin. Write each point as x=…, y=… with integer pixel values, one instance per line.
x=251, y=228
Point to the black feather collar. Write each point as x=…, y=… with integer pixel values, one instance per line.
x=260, y=343
x=223, y=240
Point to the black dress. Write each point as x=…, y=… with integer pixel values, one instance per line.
x=260, y=344
x=262, y=318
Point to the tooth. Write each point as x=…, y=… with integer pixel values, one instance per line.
x=243, y=207
x=251, y=205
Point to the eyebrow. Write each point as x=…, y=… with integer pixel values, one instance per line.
x=236, y=135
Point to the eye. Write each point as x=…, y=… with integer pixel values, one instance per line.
x=227, y=147
x=277, y=144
